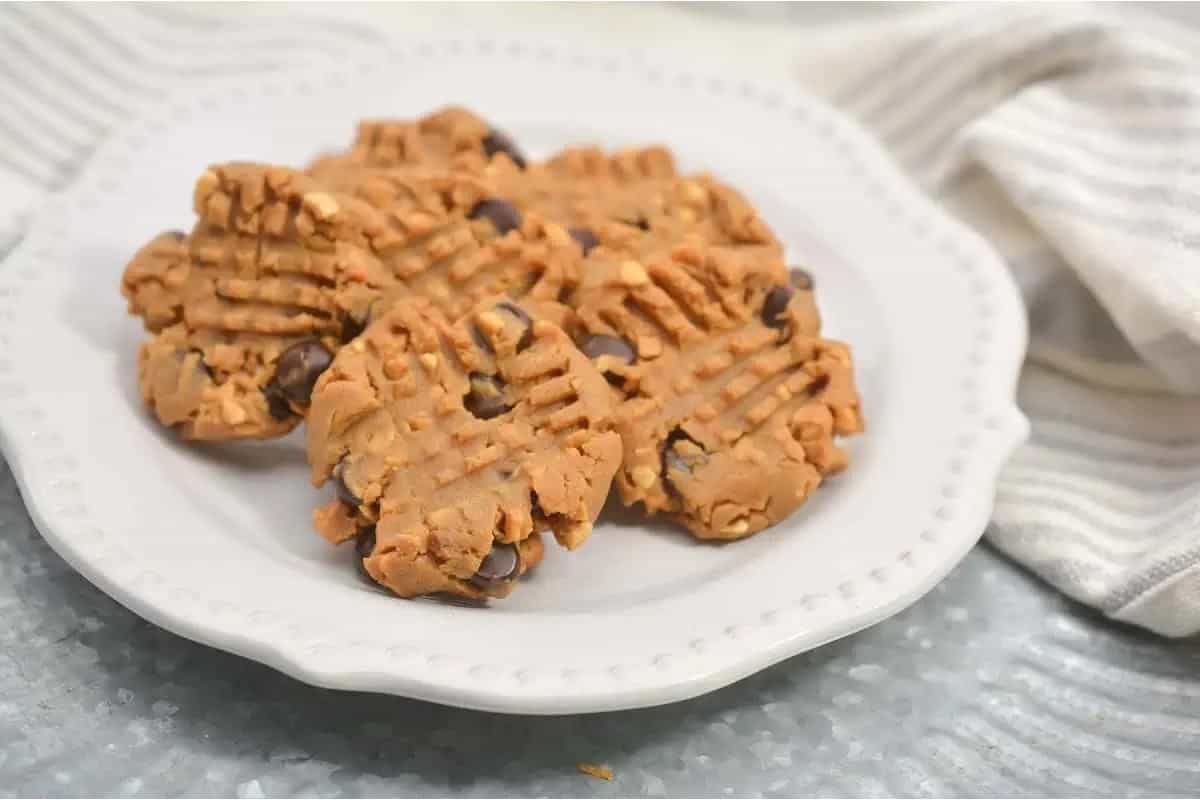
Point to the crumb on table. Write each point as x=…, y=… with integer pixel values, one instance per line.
x=595, y=770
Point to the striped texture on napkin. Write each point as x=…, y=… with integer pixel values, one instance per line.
x=1068, y=137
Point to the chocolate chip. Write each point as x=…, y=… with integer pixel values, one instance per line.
x=602, y=344
x=276, y=404
x=518, y=312
x=202, y=364
x=542, y=518
x=502, y=214
x=638, y=222
x=343, y=491
x=584, y=236
x=364, y=545
x=501, y=564
x=480, y=340
x=801, y=279
x=500, y=142
x=672, y=459
x=178, y=236
x=486, y=396
x=352, y=326
x=364, y=541
x=298, y=369
x=775, y=304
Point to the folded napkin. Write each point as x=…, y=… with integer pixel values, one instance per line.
x=1067, y=136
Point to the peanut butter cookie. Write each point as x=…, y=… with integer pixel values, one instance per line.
x=279, y=272
x=631, y=199
x=452, y=447
x=451, y=138
x=730, y=398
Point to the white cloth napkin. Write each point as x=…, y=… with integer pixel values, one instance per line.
x=1070, y=138
x=1067, y=136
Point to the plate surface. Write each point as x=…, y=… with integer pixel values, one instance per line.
x=215, y=542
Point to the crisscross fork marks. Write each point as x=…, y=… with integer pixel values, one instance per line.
x=441, y=483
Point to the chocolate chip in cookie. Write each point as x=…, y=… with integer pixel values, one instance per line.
x=298, y=369
x=353, y=325
x=608, y=353
x=277, y=405
x=364, y=541
x=364, y=545
x=503, y=215
x=480, y=340
x=485, y=398
x=344, y=492
x=500, y=142
x=774, y=305
x=527, y=335
x=679, y=460
x=586, y=238
x=600, y=345
x=501, y=565
x=200, y=363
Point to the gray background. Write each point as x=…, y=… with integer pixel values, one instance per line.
x=990, y=685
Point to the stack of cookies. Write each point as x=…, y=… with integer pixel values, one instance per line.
x=481, y=346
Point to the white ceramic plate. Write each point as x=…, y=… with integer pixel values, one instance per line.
x=215, y=542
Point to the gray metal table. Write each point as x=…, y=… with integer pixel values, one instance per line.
x=990, y=685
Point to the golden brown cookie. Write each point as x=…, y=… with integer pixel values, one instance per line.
x=622, y=194
x=731, y=398
x=451, y=138
x=153, y=281
x=452, y=446
x=631, y=199
x=279, y=272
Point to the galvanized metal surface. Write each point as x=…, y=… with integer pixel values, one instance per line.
x=991, y=685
